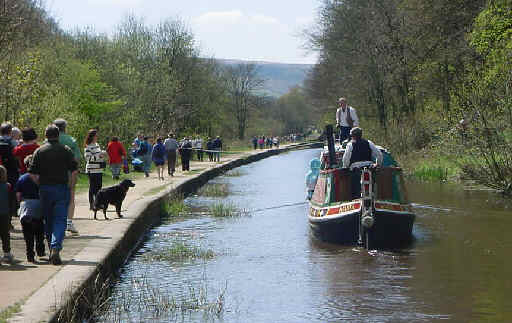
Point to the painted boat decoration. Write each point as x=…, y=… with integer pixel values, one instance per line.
x=362, y=205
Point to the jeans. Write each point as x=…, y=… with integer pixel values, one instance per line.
x=95, y=184
x=54, y=204
x=116, y=169
x=216, y=156
x=147, y=163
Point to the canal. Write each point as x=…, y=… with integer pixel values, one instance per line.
x=262, y=265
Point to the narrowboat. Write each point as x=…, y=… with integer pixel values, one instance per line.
x=360, y=205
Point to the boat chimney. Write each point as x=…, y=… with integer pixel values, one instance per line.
x=330, y=145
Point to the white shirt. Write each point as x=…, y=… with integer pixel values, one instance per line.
x=94, y=156
x=198, y=143
x=341, y=117
x=376, y=154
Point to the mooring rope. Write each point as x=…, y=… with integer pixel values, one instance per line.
x=278, y=206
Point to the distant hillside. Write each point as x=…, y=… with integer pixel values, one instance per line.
x=279, y=78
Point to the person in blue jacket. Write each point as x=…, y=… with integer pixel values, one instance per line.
x=158, y=156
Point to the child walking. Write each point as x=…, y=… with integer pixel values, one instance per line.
x=5, y=218
x=158, y=156
x=31, y=216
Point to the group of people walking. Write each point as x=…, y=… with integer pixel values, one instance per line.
x=38, y=181
x=168, y=150
x=263, y=142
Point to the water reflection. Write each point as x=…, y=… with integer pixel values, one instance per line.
x=273, y=270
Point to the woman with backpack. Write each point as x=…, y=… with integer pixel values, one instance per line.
x=158, y=156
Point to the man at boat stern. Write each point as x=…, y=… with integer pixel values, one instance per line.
x=359, y=150
x=346, y=118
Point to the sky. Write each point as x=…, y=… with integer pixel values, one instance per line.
x=262, y=30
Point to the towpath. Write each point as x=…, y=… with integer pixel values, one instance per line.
x=20, y=280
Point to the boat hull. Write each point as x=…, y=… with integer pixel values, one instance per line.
x=390, y=229
x=343, y=229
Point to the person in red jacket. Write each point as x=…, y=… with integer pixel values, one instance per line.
x=116, y=153
x=28, y=147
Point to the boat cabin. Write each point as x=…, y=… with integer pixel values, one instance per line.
x=336, y=184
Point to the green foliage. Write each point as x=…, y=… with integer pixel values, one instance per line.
x=222, y=210
x=175, y=206
x=214, y=190
x=9, y=312
x=493, y=28
x=148, y=79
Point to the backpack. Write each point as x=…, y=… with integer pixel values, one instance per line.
x=143, y=149
x=7, y=159
x=159, y=151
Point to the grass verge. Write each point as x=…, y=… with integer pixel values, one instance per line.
x=175, y=206
x=9, y=312
x=214, y=190
x=144, y=301
x=82, y=183
x=222, y=210
x=179, y=251
x=430, y=165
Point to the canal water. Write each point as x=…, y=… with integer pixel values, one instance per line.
x=263, y=265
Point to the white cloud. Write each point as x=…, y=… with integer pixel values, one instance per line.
x=124, y=3
x=233, y=17
x=264, y=20
x=219, y=18
x=236, y=34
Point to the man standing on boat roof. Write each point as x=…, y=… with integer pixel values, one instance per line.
x=360, y=149
x=346, y=118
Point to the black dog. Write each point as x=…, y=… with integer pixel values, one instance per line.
x=112, y=195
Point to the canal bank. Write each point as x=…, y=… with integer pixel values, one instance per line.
x=40, y=290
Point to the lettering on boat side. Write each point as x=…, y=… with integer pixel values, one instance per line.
x=334, y=210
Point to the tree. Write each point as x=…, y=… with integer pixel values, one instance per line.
x=242, y=81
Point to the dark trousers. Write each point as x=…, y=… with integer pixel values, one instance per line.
x=199, y=154
x=5, y=227
x=255, y=145
x=210, y=156
x=95, y=183
x=33, y=231
x=344, y=133
x=185, y=163
x=355, y=183
x=171, y=161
